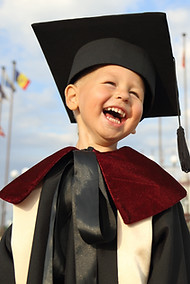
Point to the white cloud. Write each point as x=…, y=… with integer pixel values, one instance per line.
x=18, y=13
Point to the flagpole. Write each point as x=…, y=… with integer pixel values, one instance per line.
x=1, y=99
x=7, y=165
x=186, y=108
x=2, y=202
x=185, y=85
x=161, y=161
x=9, y=134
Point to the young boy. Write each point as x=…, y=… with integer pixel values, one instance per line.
x=95, y=214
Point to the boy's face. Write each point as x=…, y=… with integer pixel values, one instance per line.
x=108, y=105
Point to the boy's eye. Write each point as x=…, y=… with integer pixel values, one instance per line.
x=135, y=94
x=110, y=83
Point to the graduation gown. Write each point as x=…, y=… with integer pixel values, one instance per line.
x=138, y=188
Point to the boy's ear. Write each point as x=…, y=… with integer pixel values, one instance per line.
x=71, y=97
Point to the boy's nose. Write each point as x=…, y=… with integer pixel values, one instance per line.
x=123, y=95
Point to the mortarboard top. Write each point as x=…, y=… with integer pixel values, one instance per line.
x=61, y=40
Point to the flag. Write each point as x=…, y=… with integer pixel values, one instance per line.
x=183, y=59
x=1, y=132
x=8, y=83
x=21, y=80
x=2, y=93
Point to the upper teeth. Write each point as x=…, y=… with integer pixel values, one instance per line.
x=118, y=110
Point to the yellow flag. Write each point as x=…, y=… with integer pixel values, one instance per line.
x=22, y=80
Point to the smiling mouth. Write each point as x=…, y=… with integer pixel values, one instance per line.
x=114, y=114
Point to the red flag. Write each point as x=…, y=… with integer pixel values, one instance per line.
x=1, y=132
x=183, y=59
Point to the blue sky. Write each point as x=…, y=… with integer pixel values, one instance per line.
x=40, y=125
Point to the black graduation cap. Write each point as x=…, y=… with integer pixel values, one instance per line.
x=61, y=40
x=71, y=46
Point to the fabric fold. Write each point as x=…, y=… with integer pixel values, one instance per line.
x=93, y=219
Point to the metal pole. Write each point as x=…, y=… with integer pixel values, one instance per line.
x=185, y=86
x=1, y=99
x=9, y=130
x=3, y=216
x=161, y=161
x=186, y=106
x=2, y=202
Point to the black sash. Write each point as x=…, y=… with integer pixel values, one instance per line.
x=94, y=222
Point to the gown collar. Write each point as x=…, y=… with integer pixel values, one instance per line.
x=139, y=187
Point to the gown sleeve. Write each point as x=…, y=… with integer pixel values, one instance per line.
x=6, y=259
x=170, y=260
